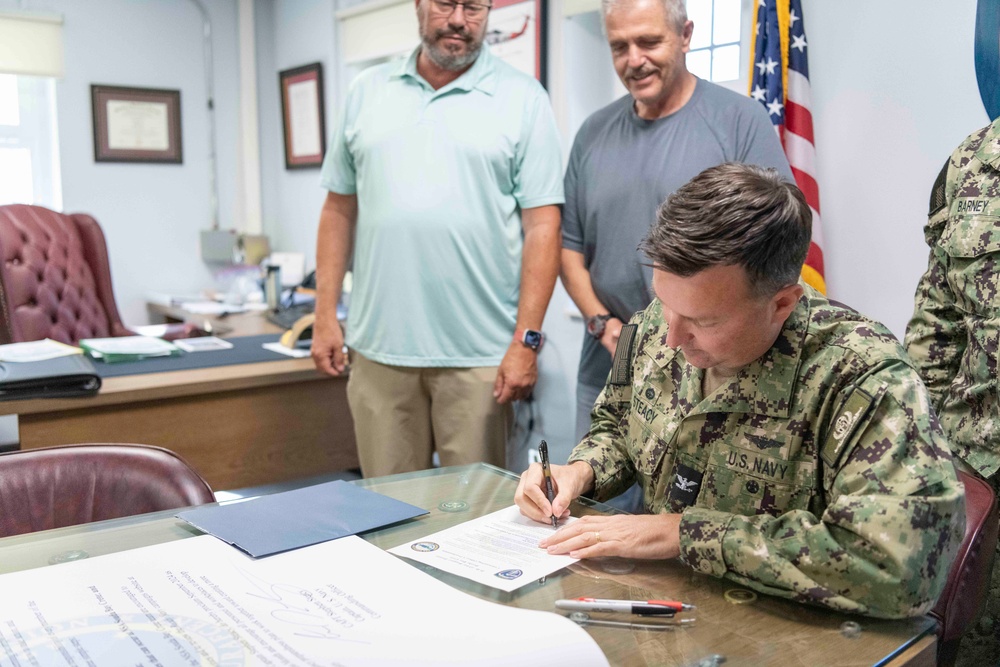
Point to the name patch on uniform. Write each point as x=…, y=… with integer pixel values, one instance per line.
x=972, y=205
x=855, y=408
x=685, y=486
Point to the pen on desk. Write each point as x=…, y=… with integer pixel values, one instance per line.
x=543, y=453
x=641, y=607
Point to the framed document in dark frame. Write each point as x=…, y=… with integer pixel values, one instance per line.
x=136, y=124
x=517, y=33
x=302, y=116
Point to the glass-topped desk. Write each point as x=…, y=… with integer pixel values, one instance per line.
x=765, y=631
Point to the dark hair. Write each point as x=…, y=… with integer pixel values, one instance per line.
x=734, y=214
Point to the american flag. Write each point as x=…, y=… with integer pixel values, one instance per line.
x=779, y=80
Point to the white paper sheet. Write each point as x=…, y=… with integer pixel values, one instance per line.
x=499, y=550
x=200, y=602
x=36, y=350
x=297, y=352
x=203, y=344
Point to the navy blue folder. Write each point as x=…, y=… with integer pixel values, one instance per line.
x=292, y=519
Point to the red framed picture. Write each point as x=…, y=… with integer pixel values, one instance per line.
x=302, y=116
x=516, y=32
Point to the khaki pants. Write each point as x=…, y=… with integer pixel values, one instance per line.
x=402, y=415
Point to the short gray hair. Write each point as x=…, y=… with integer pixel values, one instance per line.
x=734, y=214
x=675, y=11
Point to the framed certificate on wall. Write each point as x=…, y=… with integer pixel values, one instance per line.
x=136, y=124
x=302, y=116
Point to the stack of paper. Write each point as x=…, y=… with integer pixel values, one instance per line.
x=36, y=350
x=128, y=348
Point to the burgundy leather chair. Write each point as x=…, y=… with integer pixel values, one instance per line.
x=969, y=579
x=55, y=280
x=68, y=485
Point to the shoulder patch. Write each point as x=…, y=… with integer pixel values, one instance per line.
x=851, y=414
x=621, y=367
x=938, y=199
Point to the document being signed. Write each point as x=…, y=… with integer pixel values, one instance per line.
x=199, y=601
x=499, y=550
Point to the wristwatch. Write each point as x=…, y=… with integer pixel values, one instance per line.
x=597, y=323
x=530, y=337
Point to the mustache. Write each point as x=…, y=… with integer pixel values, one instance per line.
x=639, y=73
x=461, y=34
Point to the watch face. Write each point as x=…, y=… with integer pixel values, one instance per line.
x=595, y=325
x=532, y=338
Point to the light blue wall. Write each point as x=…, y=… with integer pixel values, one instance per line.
x=890, y=103
x=150, y=213
x=299, y=32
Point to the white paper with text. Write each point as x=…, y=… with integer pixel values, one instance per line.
x=200, y=602
x=499, y=550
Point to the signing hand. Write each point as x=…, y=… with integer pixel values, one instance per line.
x=640, y=536
x=517, y=374
x=569, y=482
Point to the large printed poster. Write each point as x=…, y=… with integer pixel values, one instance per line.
x=516, y=34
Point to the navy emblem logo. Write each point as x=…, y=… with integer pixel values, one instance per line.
x=425, y=546
x=650, y=394
x=509, y=575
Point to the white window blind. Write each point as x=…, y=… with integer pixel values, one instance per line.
x=31, y=44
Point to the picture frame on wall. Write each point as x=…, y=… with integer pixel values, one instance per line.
x=517, y=33
x=136, y=124
x=302, y=116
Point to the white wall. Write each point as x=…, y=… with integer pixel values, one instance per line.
x=151, y=213
x=895, y=92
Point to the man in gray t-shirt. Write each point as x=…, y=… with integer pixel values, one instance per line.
x=629, y=156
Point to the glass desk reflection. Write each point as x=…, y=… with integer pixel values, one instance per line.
x=764, y=631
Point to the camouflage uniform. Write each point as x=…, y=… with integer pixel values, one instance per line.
x=954, y=336
x=818, y=474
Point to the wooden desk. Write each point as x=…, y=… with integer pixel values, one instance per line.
x=768, y=631
x=239, y=426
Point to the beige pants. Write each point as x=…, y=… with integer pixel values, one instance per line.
x=402, y=415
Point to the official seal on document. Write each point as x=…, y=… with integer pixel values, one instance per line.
x=425, y=546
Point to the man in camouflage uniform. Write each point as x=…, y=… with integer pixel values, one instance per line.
x=954, y=336
x=781, y=441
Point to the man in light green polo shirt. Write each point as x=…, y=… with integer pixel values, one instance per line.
x=444, y=179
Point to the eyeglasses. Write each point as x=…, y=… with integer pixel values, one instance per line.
x=472, y=10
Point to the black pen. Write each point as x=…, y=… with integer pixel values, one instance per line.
x=543, y=453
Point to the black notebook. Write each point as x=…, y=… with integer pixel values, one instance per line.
x=61, y=377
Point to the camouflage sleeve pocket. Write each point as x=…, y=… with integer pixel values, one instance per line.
x=853, y=417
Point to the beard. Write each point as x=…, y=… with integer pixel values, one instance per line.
x=445, y=58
